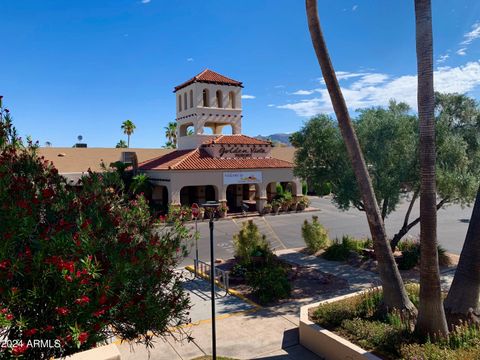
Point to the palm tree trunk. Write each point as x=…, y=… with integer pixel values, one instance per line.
x=431, y=316
x=395, y=295
x=128, y=141
x=462, y=302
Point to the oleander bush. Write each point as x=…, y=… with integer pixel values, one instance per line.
x=80, y=264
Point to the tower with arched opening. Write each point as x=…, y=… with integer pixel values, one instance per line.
x=213, y=108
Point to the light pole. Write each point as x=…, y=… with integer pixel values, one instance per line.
x=212, y=205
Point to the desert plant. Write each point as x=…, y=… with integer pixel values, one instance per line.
x=248, y=242
x=269, y=283
x=315, y=235
x=267, y=209
x=339, y=251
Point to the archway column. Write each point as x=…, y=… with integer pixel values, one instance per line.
x=297, y=189
x=261, y=196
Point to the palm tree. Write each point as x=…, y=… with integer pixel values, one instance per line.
x=463, y=300
x=121, y=144
x=431, y=316
x=395, y=295
x=171, y=135
x=128, y=128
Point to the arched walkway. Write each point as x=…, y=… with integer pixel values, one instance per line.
x=197, y=194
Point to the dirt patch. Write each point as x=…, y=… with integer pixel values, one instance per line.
x=305, y=282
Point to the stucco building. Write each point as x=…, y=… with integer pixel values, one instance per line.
x=211, y=165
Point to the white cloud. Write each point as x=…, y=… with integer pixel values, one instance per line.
x=248, y=97
x=442, y=58
x=354, y=7
x=472, y=35
x=303, y=92
x=146, y=1
x=190, y=59
x=377, y=89
x=271, y=105
x=462, y=52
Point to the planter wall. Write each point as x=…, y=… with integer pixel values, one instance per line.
x=107, y=352
x=325, y=343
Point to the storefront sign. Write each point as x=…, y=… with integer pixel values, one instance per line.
x=240, y=151
x=251, y=177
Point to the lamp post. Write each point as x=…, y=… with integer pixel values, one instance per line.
x=212, y=205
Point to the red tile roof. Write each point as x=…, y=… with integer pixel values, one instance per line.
x=199, y=159
x=209, y=76
x=237, y=139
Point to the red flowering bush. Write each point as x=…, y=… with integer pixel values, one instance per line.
x=80, y=264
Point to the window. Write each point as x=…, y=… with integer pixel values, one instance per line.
x=219, y=99
x=179, y=102
x=191, y=98
x=206, y=100
x=231, y=99
x=185, y=101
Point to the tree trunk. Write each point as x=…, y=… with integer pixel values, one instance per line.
x=128, y=137
x=395, y=295
x=462, y=302
x=431, y=316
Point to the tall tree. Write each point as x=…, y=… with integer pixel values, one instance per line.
x=395, y=295
x=389, y=140
x=121, y=144
x=431, y=316
x=171, y=135
x=128, y=128
x=463, y=299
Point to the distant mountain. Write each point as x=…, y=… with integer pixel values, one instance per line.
x=281, y=138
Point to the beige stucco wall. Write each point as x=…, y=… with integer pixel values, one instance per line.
x=180, y=179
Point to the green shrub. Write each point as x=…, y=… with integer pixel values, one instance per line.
x=411, y=255
x=269, y=283
x=429, y=351
x=315, y=235
x=331, y=315
x=340, y=251
x=373, y=334
x=304, y=188
x=369, y=302
x=279, y=190
x=249, y=242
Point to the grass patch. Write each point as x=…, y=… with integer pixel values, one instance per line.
x=389, y=334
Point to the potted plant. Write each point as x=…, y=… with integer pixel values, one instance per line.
x=303, y=203
x=267, y=209
x=208, y=211
x=285, y=205
x=222, y=210
x=275, y=206
x=293, y=205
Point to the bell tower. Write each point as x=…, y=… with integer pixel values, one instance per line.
x=207, y=104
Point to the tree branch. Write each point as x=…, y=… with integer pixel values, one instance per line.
x=406, y=227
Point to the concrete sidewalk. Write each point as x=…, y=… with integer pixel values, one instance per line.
x=244, y=332
x=260, y=335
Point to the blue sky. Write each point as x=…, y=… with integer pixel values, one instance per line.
x=82, y=67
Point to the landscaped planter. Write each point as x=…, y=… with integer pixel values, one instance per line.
x=107, y=352
x=325, y=343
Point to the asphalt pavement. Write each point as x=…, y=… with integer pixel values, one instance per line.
x=284, y=230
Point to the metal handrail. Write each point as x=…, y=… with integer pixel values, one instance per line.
x=222, y=276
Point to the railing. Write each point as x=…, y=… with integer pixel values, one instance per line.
x=222, y=276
